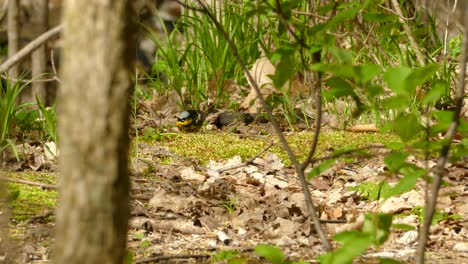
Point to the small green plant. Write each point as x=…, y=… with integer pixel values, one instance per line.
x=153, y=134
x=231, y=205
x=229, y=256
x=372, y=190
x=48, y=121
x=375, y=232
x=9, y=94
x=274, y=255
x=145, y=243
x=439, y=216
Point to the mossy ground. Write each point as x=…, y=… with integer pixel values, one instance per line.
x=28, y=201
x=219, y=146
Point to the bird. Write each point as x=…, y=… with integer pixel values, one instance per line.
x=190, y=121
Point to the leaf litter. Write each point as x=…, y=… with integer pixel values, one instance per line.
x=181, y=207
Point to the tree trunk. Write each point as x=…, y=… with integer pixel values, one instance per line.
x=93, y=210
x=8, y=248
x=13, y=34
x=39, y=57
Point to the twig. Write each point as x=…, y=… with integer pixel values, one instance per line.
x=309, y=14
x=29, y=48
x=43, y=185
x=409, y=33
x=439, y=170
x=41, y=216
x=400, y=15
x=249, y=161
x=300, y=172
x=54, y=70
x=28, y=80
x=348, y=154
x=182, y=256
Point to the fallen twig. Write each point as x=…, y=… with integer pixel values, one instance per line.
x=249, y=161
x=38, y=217
x=182, y=256
x=348, y=153
x=33, y=183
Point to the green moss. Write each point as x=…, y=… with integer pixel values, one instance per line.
x=26, y=200
x=219, y=146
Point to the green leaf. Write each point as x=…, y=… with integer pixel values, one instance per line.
x=397, y=102
x=128, y=259
x=320, y=168
x=343, y=55
x=378, y=227
x=434, y=94
x=359, y=73
x=395, y=161
x=371, y=190
x=395, y=78
x=404, y=227
x=407, y=126
x=367, y=71
x=340, y=88
x=284, y=71
x=444, y=119
x=271, y=253
x=341, y=70
x=411, y=174
x=373, y=91
x=354, y=244
x=419, y=76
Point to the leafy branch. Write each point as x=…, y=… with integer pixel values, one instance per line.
x=439, y=170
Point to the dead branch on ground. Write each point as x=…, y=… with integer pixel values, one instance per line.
x=33, y=183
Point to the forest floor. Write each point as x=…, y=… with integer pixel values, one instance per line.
x=196, y=200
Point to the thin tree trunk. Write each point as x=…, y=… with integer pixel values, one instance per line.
x=8, y=248
x=39, y=57
x=93, y=210
x=13, y=34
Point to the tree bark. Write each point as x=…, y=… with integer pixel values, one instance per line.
x=93, y=110
x=39, y=57
x=13, y=34
x=8, y=248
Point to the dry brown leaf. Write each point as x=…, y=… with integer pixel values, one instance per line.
x=259, y=71
x=189, y=174
x=36, y=161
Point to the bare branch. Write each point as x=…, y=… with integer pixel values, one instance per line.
x=409, y=33
x=28, y=49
